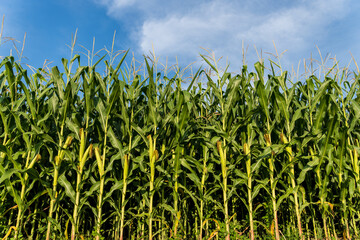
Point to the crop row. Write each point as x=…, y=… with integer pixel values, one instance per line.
x=130, y=156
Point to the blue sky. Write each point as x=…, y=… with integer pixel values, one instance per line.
x=180, y=29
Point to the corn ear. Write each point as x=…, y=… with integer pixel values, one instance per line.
x=88, y=153
x=65, y=146
x=248, y=158
x=222, y=157
x=82, y=144
x=126, y=166
x=35, y=159
x=288, y=149
x=356, y=165
x=99, y=162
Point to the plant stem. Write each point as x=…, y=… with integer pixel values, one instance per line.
x=272, y=187
x=57, y=163
x=293, y=184
x=126, y=172
x=249, y=187
x=100, y=199
x=22, y=195
x=222, y=153
x=52, y=202
x=205, y=152
x=76, y=207
x=101, y=163
x=153, y=156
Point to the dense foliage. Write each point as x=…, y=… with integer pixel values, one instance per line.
x=125, y=155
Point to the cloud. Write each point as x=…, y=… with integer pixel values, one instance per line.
x=181, y=29
x=151, y=8
x=114, y=6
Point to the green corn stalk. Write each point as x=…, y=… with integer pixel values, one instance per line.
x=293, y=184
x=344, y=143
x=176, y=160
x=100, y=163
x=318, y=175
x=104, y=116
x=222, y=153
x=28, y=165
x=163, y=148
x=65, y=97
x=323, y=180
x=125, y=175
x=128, y=107
x=180, y=122
x=204, y=172
x=343, y=189
x=249, y=187
x=33, y=223
x=355, y=164
x=273, y=188
x=83, y=156
x=153, y=156
x=264, y=103
x=203, y=177
x=54, y=195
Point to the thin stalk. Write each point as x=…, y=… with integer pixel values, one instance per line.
x=272, y=187
x=176, y=161
x=334, y=229
x=153, y=156
x=100, y=162
x=22, y=194
x=151, y=207
x=249, y=187
x=204, y=173
x=222, y=153
x=142, y=223
x=28, y=165
x=322, y=200
x=99, y=206
x=293, y=184
x=83, y=155
x=314, y=226
x=76, y=207
x=53, y=199
x=354, y=225
x=355, y=163
x=313, y=220
x=33, y=223
x=101, y=167
x=116, y=228
x=163, y=147
x=125, y=175
x=58, y=160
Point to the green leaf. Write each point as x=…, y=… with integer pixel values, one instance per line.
x=102, y=113
x=69, y=191
x=309, y=166
x=58, y=81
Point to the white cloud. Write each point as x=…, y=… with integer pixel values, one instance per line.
x=181, y=29
x=113, y=6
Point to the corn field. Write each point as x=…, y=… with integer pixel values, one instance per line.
x=130, y=154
